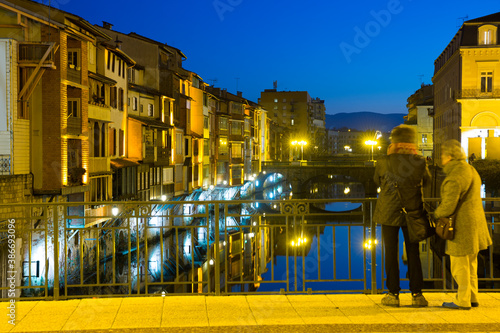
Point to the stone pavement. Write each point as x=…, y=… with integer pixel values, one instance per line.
x=253, y=313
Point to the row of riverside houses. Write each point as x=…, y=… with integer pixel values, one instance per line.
x=92, y=114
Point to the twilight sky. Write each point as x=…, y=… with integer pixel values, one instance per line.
x=364, y=55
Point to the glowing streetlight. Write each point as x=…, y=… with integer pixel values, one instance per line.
x=300, y=143
x=371, y=143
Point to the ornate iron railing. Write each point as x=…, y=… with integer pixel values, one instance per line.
x=208, y=247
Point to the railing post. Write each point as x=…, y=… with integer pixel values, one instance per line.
x=216, y=251
x=56, y=251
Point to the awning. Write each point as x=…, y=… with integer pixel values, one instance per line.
x=119, y=163
x=150, y=122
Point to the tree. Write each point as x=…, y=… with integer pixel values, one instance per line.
x=489, y=170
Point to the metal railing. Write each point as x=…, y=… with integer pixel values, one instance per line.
x=208, y=247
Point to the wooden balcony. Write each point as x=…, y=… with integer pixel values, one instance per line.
x=99, y=164
x=74, y=126
x=32, y=53
x=74, y=74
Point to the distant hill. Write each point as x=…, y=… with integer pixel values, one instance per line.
x=364, y=121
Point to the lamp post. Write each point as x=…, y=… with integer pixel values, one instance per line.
x=371, y=143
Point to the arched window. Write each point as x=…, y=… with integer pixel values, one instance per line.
x=487, y=35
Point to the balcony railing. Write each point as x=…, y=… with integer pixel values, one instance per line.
x=476, y=93
x=74, y=125
x=214, y=247
x=30, y=53
x=74, y=74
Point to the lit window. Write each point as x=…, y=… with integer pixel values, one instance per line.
x=424, y=138
x=73, y=110
x=292, y=122
x=150, y=110
x=486, y=82
x=275, y=100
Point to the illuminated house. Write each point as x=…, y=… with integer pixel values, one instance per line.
x=466, y=89
x=237, y=146
x=156, y=128
x=45, y=64
x=420, y=109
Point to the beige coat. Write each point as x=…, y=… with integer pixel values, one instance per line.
x=471, y=229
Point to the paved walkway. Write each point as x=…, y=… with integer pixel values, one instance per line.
x=276, y=313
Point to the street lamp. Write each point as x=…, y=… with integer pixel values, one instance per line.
x=300, y=143
x=371, y=143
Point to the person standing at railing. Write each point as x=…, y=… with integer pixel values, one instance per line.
x=462, y=183
x=403, y=166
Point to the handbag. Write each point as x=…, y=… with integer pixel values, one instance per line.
x=418, y=221
x=445, y=226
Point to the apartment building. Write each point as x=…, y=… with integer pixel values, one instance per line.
x=295, y=116
x=420, y=109
x=466, y=89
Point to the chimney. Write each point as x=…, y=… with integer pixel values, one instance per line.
x=239, y=93
x=107, y=25
x=118, y=43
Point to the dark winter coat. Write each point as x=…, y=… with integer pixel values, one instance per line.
x=471, y=230
x=411, y=173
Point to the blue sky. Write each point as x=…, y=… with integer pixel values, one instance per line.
x=357, y=56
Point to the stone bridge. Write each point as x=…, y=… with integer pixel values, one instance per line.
x=300, y=174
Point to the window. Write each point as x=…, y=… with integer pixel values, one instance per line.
x=235, y=128
x=284, y=107
x=120, y=142
x=205, y=122
x=112, y=97
x=223, y=123
x=73, y=62
x=123, y=69
x=223, y=146
x=141, y=108
x=178, y=142
x=109, y=59
x=292, y=121
x=486, y=82
x=284, y=100
x=119, y=67
x=73, y=109
x=275, y=100
x=424, y=138
x=134, y=103
x=150, y=110
x=276, y=107
x=206, y=148
x=236, y=150
x=113, y=64
x=487, y=35
x=120, y=99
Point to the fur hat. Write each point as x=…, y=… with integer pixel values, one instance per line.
x=403, y=133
